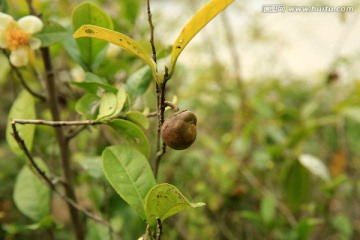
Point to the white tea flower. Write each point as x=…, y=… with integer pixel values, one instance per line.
x=18, y=37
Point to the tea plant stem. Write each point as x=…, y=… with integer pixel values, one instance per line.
x=84, y=124
x=161, y=148
x=151, y=31
x=159, y=229
x=55, y=123
x=160, y=96
x=49, y=181
x=63, y=143
x=32, y=9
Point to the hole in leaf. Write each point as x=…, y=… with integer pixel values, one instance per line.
x=89, y=31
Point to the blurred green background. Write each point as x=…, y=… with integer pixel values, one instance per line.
x=277, y=99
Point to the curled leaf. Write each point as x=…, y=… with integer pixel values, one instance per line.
x=118, y=39
x=196, y=23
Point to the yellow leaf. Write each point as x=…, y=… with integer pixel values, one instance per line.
x=196, y=23
x=118, y=39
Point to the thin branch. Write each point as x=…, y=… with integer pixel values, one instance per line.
x=32, y=9
x=159, y=155
x=22, y=80
x=151, y=31
x=152, y=114
x=161, y=148
x=160, y=96
x=172, y=106
x=159, y=229
x=158, y=135
x=74, y=132
x=62, y=141
x=84, y=124
x=56, y=123
x=23, y=147
x=50, y=183
x=148, y=233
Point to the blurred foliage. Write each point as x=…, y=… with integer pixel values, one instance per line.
x=244, y=165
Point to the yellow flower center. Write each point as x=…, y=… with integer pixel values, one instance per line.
x=16, y=37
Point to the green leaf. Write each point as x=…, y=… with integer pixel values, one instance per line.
x=119, y=39
x=92, y=165
x=129, y=173
x=31, y=195
x=90, y=49
x=196, y=23
x=165, y=200
x=45, y=222
x=72, y=49
x=92, y=83
x=108, y=104
x=138, y=118
x=22, y=108
x=253, y=217
x=111, y=104
x=4, y=7
x=97, y=231
x=51, y=33
x=268, y=207
x=121, y=100
x=93, y=78
x=343, y=226
x=132, y=134
x=129, y=10
x=305, y=226
x=138, y=82
x=296, y=185
x=4, y=70
x=88, y=105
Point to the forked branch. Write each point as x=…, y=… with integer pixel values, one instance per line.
x=48, y=180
